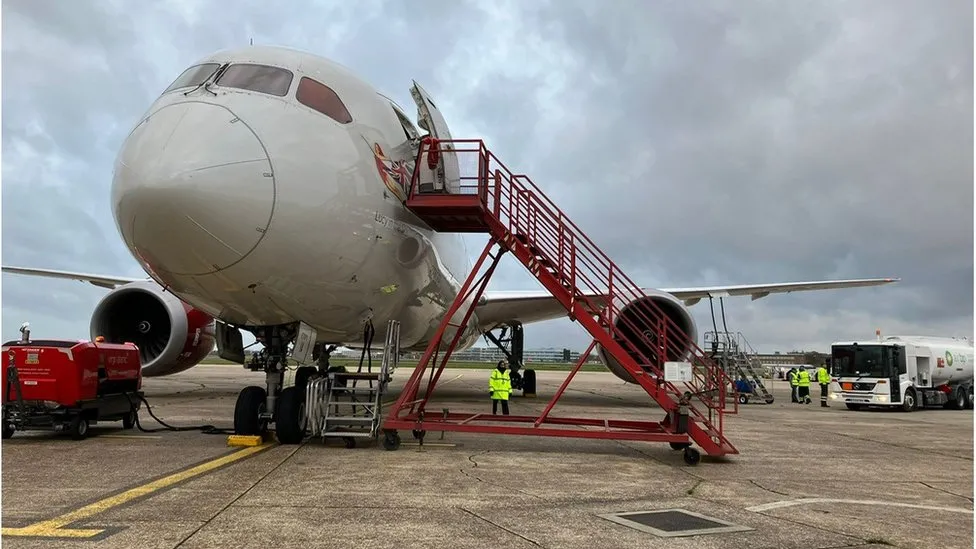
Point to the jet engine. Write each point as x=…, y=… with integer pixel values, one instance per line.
x=632, y=316
x=171, y=335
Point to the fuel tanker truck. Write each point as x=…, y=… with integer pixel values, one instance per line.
x=909, y=372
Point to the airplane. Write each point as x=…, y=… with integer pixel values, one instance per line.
x=264, y=191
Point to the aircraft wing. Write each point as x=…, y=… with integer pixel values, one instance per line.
x=102, y=281
x=534, y=306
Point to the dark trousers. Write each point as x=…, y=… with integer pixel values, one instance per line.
x=793, y=389
x=494, y=406
x=823, y=395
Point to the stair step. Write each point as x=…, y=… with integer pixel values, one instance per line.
x=348, y=420
x=350, y=434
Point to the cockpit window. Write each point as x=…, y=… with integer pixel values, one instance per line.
x=320, y=97
x=193, y=76
x=259, y=78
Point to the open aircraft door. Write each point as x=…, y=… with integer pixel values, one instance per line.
x=447, y=176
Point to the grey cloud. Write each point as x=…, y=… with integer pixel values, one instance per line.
x=697, y=143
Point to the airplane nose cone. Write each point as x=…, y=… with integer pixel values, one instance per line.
x=193, y=189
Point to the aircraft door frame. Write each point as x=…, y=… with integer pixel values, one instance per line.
x=447, y=177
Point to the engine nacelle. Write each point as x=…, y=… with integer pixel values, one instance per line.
x=171, y=335
x=674, y=309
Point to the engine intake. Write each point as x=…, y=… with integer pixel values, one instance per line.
x=171, y=336
x=631, y=316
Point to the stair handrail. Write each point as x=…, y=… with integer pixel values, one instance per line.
x=523, y=193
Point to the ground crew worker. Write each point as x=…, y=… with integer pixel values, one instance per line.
x=500, y=385
x=823, y=378
x=791, y=375
x=803, y=386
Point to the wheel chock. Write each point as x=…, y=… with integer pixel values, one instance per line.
x=244, y=440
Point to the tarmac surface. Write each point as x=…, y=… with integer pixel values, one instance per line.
x=805, y=477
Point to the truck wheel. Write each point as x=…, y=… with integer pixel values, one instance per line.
x=969, y=399
x=961, y=399
x=8, y=429
x=129, y=420
x=909, y=403
x=78, y=428
x=854, y=407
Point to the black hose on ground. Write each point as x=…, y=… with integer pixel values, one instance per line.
x=205, y=429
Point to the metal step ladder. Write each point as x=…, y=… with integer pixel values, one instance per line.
x=349, y=405
x=739, y=360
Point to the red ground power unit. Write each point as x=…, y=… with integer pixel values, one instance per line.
x=68, y=385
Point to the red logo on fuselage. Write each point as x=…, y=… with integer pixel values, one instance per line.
x=394, y=173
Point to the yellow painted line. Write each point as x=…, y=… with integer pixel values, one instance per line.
x=55, y=528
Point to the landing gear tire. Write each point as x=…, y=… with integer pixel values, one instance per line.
x=692, y=456
x=391, y=440
x=679, y=445
x=129, y=420
x=290, y=417
x=302, y=376
x=910, y=402
x=78, y=428
x=250, y=404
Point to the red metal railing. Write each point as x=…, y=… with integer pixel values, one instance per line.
x=582, y=275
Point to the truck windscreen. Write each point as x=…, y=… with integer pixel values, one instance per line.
x=861, y=360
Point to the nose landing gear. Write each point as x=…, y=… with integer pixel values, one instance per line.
x=258, y=407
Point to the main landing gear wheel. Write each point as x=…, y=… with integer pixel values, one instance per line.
x=302, y=376
x=250, y=405
x=290, y=420
x=692, y=456
x=391, y=440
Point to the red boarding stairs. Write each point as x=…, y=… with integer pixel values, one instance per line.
x=520, y=219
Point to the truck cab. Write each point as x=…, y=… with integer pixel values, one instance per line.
x=909, y=373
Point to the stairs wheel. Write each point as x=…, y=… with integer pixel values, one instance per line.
x=770, y=400
x=418, y=434
x=743, y=399
x=350, y=442
x=391, y=440
x=692, y=456
x=679, y=445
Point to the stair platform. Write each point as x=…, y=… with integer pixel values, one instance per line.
x=627, y=324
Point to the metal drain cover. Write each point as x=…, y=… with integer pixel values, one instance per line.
x=670, y=523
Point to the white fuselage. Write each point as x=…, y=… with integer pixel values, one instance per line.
x=259, y=210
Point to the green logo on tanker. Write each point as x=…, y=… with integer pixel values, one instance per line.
x=948, y=358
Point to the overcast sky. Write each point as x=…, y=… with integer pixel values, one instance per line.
x=696, y=142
